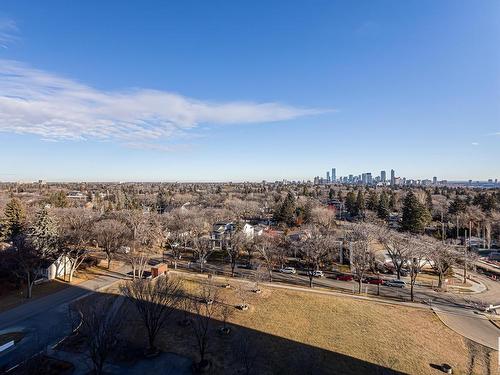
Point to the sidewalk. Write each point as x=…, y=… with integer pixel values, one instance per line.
x=475, y=288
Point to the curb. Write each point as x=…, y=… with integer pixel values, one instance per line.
x=317, y=290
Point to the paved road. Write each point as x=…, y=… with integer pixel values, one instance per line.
x=422, y=293
x=469, y=324
x=45, y=320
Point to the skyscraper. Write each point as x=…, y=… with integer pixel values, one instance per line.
x=363, y=179
x=383, y=176
x=327, y=177
x=334, y=175
x=393, y=177
x=434, y=180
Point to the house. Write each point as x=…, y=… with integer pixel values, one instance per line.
x=59, y=268
x=221, y=234
x=249, y=230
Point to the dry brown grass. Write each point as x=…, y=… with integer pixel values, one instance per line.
x=293, y=329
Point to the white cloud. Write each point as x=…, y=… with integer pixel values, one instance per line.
x=55, y=108
x=475, y=143
x=8, y=31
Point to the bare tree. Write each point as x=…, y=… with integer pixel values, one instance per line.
x=362, y=257
x=442, y=259
x=396, y=245
x=417, y=257
x=155, y=300
x=202, y=247
x=239, y=241
x=206, y=307
x=110, y=234
x=100, y=326
x=75, y=227
x=324, y=218
x=176, y=242
x=282, y=247
x=145, y=234
x=314, y=250
x=246, y=353
x=265, y=245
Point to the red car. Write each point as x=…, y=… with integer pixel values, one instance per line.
x=374, y=280
x=343, y=277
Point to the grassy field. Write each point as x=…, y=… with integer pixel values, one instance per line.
x=299, y=333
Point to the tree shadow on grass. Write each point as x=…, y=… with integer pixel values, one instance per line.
x=263, y=353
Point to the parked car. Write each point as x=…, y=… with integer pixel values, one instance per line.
x=374, y=280
x=404, y=272
x=343, y=277
x=288, y=270
x=316, y=273
x=395, y=283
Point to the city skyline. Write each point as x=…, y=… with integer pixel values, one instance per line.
x=248, y=93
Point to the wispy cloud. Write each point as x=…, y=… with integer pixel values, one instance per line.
x=475, y=143
x=56, y=108
x=8, y=32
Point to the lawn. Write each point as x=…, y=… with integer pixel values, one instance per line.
x=296, y=332
x=17, y=297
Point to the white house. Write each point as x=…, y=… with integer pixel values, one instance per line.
x=59, y=268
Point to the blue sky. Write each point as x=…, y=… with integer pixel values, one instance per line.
x=232, y=90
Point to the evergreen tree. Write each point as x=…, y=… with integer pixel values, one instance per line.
x=59, y=199
x=43, y=233
x=415, y=214
x=307, y=212
x=383, y=206
x=457, y=206
x=340, y=196
x=350, y=204
x=286, y=211
x=331, y=194
x=428, y=200
x=305, y=191
x=360, y=202
x=372, y=203
x=15, y=217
